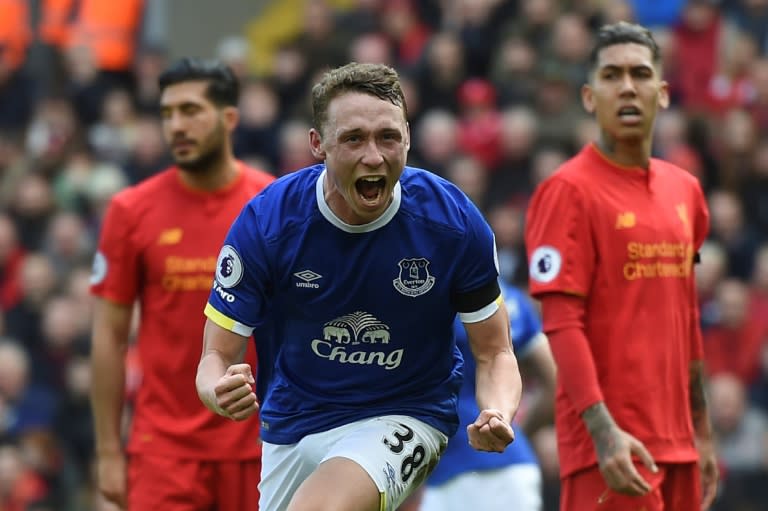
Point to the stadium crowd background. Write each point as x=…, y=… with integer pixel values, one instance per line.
x=493, y=100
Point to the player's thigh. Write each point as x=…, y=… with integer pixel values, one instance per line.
x=283, y=469
x=237, y=485
x=681, y=487
x=515, y=487
x=170, y=484
x=375, y=464
x=586, y=490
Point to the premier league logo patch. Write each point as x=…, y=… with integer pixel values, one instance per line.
x=414, y=278
x=229, y=267
x=545, y=264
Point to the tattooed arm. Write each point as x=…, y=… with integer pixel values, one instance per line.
x=703, y=430
x=614, y=448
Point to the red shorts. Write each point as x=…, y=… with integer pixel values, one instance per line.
x=675, y=487
x=170, y=484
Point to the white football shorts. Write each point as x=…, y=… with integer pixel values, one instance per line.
x=397, y=451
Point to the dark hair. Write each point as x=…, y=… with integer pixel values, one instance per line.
x=375, y=79
x=622, y=33
x=223, y=85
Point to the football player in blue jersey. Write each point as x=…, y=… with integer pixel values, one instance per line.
x=358, y=267
x=468, y=479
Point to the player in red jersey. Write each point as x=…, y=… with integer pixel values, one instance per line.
x=158, y=247
x=611, y=239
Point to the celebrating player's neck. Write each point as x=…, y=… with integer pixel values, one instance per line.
x=627, y=153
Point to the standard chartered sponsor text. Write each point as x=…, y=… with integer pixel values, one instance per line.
x=639, y=267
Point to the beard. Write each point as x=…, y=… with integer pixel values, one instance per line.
x=209, y=158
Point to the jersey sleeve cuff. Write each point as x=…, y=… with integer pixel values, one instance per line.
x=484, y=313
x=227, y=323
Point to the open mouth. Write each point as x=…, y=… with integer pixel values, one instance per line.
x=371, y=189
x=630, y=114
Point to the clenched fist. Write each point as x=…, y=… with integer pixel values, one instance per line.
x=490, y=432
x=234, y=393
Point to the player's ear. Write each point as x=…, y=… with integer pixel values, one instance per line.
x=664, y=94
x=231, y=117
x=407, y=136
x=316, y=144
x=588, y=98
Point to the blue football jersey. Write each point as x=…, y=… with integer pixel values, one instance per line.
x=459, y=457
x=360, y=317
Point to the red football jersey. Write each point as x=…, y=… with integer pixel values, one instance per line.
x=624, y=239
x=159, y=244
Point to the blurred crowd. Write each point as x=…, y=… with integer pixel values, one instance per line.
x=493, y=101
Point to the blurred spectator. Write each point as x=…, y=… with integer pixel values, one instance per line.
x=149, y=153
x=149, y=63
x=113, y=136
x=479, y=122
x=653, y=14
x=728, y=227
x=557, y=105
x=258, y=131
x=86, y=88
x=759, y=286
x=24, y=320
x=469, y=174
x=322, y=42
x=571, y=43
x=698, y=38
x=29, y=406
x=742, y=432
x=405, y=29
x=67, y=243
x=78, y=186
x=734, y=343
x=371, y=47
x=31, y=209
x=11, y=259
x=712, y=269
x=112, y=30
x=434, y=141
x=20, y=486
x=506, y=220
x=511, y=176
x=51, y=133
x=293, y=147
x=754, y=188
x=512, y=71
x=440, y=72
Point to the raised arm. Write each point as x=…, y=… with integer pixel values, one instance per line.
x=498, y=384
x=224, y=383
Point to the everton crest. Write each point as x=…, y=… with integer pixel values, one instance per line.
x=414, y=278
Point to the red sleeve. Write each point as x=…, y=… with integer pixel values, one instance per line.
x=700, y=231
x=559, y=240
x=115, y=267
x=563, y=317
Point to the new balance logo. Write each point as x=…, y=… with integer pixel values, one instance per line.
x=307, y=277
x=170, y=236
x=625, y=220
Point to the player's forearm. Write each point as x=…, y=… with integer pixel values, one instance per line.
x=211, y=368
x=498, y=384
x=107, y=393
x=221, y=349
x=601, y=426
x=698, y=401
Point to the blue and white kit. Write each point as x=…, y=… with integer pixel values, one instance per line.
x=359, y=317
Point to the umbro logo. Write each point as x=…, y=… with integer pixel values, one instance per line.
x=307, y=277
